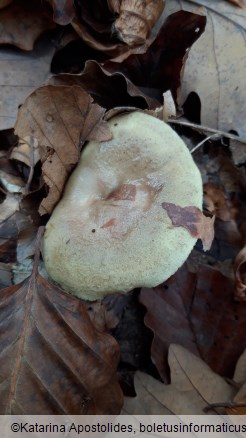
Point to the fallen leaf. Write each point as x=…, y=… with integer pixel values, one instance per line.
x=197, y=311
x=240, y=275
x=52, y=340
x=64, y=11
x=194, y=386
x=160, y=68
x=239, y=3
x=136, y=19
x=20, y=74
x=8, y=207
x=96, y=24
x=101, y=85
x=193, y=220
x=240, y=370
x=217, y=203
x=5, y=275
x=61, y=119
x=23, y=22
x=238, y=151
x=220, y=57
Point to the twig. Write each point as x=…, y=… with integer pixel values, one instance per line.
x=201, y=128
x=203, y=141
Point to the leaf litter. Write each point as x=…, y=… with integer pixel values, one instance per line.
x=197, y=305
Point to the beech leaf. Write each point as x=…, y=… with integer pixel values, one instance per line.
x=53, y=360
x=61, y=119
x=193, y=220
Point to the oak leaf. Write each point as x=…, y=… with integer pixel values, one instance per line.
x=194, y=386
x=220, y=56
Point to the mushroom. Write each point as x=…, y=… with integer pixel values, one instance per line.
x=110, y=233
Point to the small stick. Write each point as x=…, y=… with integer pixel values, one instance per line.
x=201, y=128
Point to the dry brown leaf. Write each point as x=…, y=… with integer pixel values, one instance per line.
x=61, y=119
x=194, y=386
x=217, y=203
x=8, y=207
x=239, y=3
x=220, y=57
x=240, y=370
x=240, y=275
x=20, y=74
x=23, y=22
x=193, y=220
x=136, y=19
x=197, y=311
x=64, y=11
x=46, y=338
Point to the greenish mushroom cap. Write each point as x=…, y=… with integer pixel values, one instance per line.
x=109, y=233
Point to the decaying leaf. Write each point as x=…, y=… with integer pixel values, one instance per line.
x=240, y=370
x=194, y=386
x=240, y=275
x=198, y=312
x=136, y=19
x=216, y=57
x=52, y=340
x=193, y=220
x=217, y=203
x=160, y=68
x=8, y=207
x=23, y=22
x=61, y=119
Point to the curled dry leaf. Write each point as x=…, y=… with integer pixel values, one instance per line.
x=64, y=11
x=240, y=275
x=193, y=220
x=53, y=360
x=23, y=22
x=160, y=68
x=61, y=119
x=217, y=203
x=136, y=19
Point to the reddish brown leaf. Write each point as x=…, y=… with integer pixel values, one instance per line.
x=61, y=119
x=64, y=11
x=52, y=358
x=193, y=220
x=23, y=22
x=198, y=312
